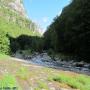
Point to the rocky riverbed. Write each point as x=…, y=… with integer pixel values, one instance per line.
x=45, y=60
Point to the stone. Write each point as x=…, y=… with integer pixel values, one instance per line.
x=85, y=69
x=80, y=64
x=64, y=89
x=79, y=68
x=18, y=55
x=17, y=6
x=86, y=65
x=52, y=88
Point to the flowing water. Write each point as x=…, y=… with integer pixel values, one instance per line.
x=44, y=59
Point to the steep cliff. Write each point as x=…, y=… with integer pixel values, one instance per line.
x=13, y=12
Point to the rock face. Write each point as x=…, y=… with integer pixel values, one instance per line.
x=17, y=5
x=13, y=11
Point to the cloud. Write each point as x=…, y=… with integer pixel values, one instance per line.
x=45, y=19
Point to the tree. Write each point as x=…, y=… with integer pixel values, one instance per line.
x=72, y=29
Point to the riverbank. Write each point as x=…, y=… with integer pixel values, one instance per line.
x=44, y=59
x=26, y=75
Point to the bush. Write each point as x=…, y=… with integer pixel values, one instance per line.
x=4, y=43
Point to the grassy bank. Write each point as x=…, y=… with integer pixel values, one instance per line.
x=3, y=56
x=81, y=82
x=25, y=76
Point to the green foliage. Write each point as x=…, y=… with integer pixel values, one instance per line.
x=42, y=85
x=14, y=26
x=50, y=39
x=4, y=43
x=37, y=44
x=26, y=42
x=23, y=73
x=81, y=82
x=70, y=32
x=16, y=21
x=3, y=56
x=8, y=81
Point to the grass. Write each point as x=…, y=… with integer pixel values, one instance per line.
x=38, y=77
x=81, y=82
x=3, y=56
x=23, y=73
x=8, y=81
x=17, y=28
x=42, y=85
x=14, y=30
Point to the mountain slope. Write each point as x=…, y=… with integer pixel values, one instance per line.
x=71, y=30
x=13, y=16
x=14, y=24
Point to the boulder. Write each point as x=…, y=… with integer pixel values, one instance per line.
x=79, y=64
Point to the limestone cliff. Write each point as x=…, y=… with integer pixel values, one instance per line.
x=17, y=5
x=14, y=5
x=13, y=11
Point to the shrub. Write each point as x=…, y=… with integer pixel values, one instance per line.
x=4, y=43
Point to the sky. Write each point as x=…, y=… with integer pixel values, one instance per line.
x=43, y=12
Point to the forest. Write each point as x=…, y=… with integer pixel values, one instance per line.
x=70, y=32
